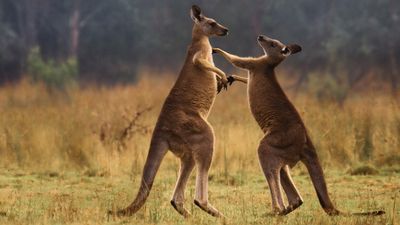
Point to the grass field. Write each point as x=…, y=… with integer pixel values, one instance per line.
x=68, y=157
x=83, y=198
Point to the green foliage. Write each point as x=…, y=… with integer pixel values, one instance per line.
x=55, y=75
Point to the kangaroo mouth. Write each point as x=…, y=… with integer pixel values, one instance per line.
x=224, y=32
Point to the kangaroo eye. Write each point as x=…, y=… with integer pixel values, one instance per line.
x=213, y=24
x=273, y=44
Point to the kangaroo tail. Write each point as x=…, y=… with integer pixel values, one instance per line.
x=156, y=154
x=371, y=213
x=311, y=161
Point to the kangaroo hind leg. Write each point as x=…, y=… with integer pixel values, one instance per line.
x=178, y=199
x=271, y=165
x=293, y=195
x=202, y=153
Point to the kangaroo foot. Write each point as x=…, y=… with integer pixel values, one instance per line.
x=292, y=206
x=278, y=212
x=208, y=208
x=180, y=208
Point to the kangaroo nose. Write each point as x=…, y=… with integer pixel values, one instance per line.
x=260, y=37
x=226, y=31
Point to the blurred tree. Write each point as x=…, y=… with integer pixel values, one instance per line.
x=111, y=39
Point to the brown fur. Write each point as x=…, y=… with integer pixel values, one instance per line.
x=182, y=126
x=286, y=140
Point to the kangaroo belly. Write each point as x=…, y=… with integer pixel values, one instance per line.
x=269, y=105
x=189, y=102
x=202, y=94
x=189, y=98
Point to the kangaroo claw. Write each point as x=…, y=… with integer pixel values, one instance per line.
x=221, y=85
x=230, y=80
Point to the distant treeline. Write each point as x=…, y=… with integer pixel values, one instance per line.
x=110, y=39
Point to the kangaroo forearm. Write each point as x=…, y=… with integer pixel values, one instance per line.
x=239, y=78
x=218, y=76
x=207, y=66
x=229, y=57
x=218, y=72
x=240, y=62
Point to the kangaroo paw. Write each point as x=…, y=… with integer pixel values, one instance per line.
x=230, y=80
x=221, y=85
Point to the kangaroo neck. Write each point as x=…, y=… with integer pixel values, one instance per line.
x=199, y=39
x=269, y=104
x=270, y=83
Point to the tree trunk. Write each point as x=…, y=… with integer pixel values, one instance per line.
x=394, y=72
x=75, y=29
x=393, y=69
x=30, y=23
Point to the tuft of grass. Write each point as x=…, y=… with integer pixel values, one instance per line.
x=364, y=170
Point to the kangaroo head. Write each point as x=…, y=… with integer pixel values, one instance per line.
x=205, y=25
x=275, y=50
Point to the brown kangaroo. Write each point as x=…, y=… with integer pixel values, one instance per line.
x=182, y=126
x=286, y=140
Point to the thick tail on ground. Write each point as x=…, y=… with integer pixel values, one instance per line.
x=311, y=161
x=156, y=154
x=371, y=213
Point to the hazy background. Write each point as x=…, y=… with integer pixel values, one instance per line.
x=82, y=83
x=111, y=40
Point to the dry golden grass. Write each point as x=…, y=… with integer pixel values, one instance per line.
x=52, y=145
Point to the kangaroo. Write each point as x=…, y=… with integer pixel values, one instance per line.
x=285, y=140
x=182, y=126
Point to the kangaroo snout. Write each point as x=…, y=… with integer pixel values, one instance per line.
x=263, y=38
x=225, y=32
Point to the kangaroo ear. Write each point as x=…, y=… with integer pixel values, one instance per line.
x=294, y=48
x=195, y=14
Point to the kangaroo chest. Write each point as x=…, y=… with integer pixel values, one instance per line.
x=195, y=89
x=269, y=105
